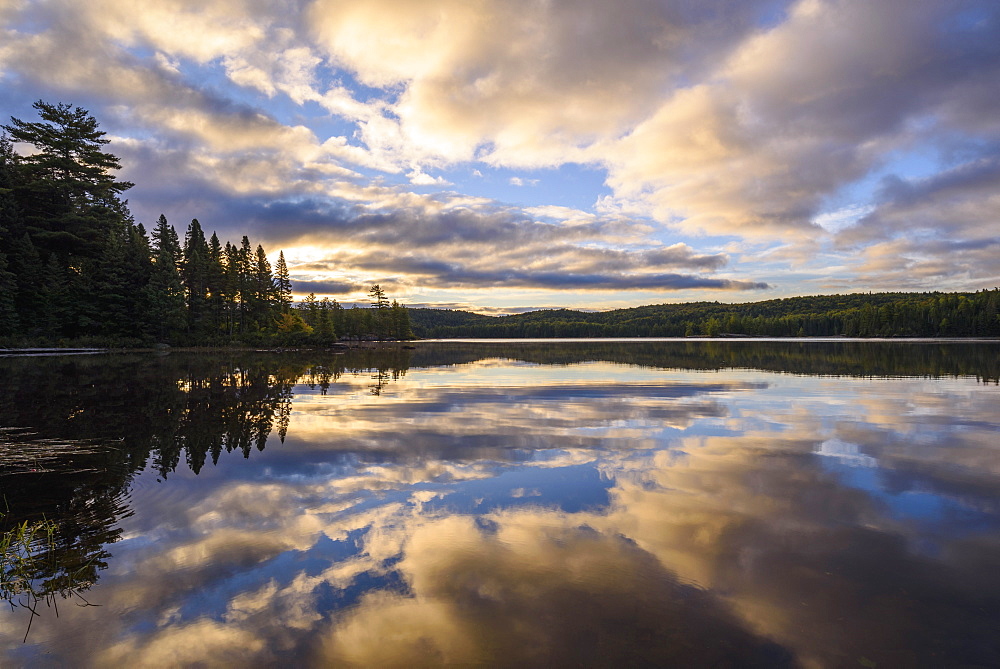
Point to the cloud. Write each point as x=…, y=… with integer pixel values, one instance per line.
x=520, y=83
x=757, y=122
x=520, y=181
x=798, y=111
x=477, y=595
x=938, y=229
x=432, y=242
x=725, y=534
x=418, y=178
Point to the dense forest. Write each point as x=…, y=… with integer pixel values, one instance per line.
x=856, y=315
x=76, y=268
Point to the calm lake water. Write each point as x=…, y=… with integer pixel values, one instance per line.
x=544, y=504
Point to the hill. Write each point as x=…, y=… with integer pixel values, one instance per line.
x=853, y=315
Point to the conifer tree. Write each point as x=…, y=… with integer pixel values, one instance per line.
x=312, y=309
x=283, y=284
x=59, y=309
x=263, y=290
x=66, y=188
x=326, y=331
x=231, y=284
x=400, y=319
x=381, y=320
x=108, y=308
x=195, y=271
x=165, y=293
x=216, y=284
x=9, y=323
x=245, y=283
x=25, y=264
x=9, y=227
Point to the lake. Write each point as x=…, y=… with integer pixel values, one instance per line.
x=696, y=503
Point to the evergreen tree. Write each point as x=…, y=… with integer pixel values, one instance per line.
x=108, y=310
x=381, y=320
x=165, y=293
x=9, y=323
x=25, y=264
x=245, y=282
x=337, y=318
x=232, y=282
x=378, y=298
x=326, y=331
x=10, y=226
x=59, y=309
x=264, y=298
x=216, y=284
x=195, y=275
x=67, y=192
x=311, y=309
x=400, y=319
x=283, y=284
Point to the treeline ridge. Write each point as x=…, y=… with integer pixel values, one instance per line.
x=854, y=315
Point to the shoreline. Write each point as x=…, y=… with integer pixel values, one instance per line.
x=39, y=351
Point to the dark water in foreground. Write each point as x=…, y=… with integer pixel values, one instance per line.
x=599, y=504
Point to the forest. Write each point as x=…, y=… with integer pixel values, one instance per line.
x=77, y=269
x=854, y=315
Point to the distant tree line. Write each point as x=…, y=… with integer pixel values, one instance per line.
x=856, y=315
x=76, y=268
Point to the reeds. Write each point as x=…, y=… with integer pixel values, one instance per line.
x=29, y=572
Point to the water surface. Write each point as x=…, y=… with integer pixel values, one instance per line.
x=602, y=503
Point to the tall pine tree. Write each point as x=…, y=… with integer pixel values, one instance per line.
x=66, y=188
x=283, y=284
x=165, y=293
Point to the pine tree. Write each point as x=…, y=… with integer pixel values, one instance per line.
x=326, y=331
x=232, y=283
x=216, y=284
x=108, y=308
x=10, y=226
x=263, y=290
x=245, y=282
x=165, y=293
x=194, y=273
x=69, y=196
x=283, y=284
x=9, y=321
x=311, y=309
x=400, y=318
x=25, y=264
x=381, y=320
x=59, y=308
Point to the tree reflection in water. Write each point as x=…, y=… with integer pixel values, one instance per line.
x=77, y=431
x=74, y=431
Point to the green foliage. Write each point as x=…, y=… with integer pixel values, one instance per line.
x=282, y=284
x=65, y=188
x=75, y=267
x=855, y=315
x=30, y=569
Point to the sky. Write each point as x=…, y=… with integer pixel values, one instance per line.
x=504, y=155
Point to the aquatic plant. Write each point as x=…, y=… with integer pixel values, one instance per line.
x=30, y=573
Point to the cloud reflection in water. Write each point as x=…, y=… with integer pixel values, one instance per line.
x=509, y=513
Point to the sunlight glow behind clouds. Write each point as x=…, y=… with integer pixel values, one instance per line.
x=338, y=124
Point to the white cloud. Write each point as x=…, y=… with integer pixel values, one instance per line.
x=521, y=181
x=418, y=178
x=712, y=118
